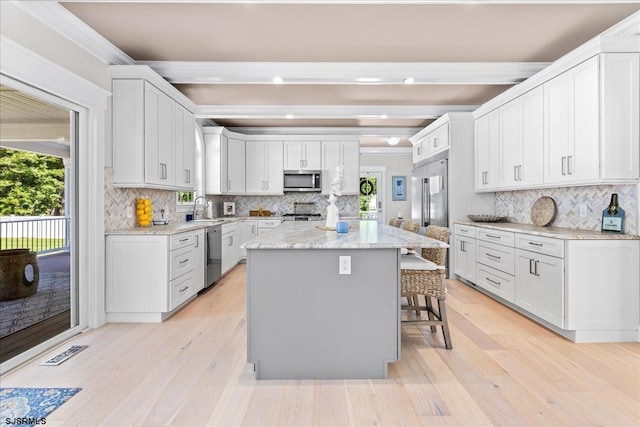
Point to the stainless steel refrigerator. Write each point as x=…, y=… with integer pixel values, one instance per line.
x=430, y=194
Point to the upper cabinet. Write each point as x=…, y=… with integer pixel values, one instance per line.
x=347, y=154
x=577, y=127
x=225, y=161
x=153, y=133
x=264, y=167
x=521, y=140
x=487, y=151
x=302, y=155
x=431, y=143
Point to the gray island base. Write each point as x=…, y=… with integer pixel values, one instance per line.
x=305, y=320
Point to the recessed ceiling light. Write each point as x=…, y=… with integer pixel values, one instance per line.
x=393, y=140
x=409, y=80
x=277, y=80
x=289, y=116
x=383, y=116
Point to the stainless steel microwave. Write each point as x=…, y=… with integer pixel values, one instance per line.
x=301, y=180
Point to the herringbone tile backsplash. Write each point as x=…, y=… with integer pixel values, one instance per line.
x=568, y=201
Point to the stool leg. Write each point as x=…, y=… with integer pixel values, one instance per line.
x=445, y=324
x=429, y=305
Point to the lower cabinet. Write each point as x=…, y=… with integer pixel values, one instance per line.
x=586, y=288
x=248, y=230
x=148, y=277
x=540, y=286
x=230, y=246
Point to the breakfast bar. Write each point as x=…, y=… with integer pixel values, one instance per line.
x=325, y=305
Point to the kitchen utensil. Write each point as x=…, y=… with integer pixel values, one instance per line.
x=487, y=218
x=543, y=211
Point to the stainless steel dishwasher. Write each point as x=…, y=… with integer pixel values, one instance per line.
x=213, y=254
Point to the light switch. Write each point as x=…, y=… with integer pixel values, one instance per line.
x=129, y=212
x=583, y=211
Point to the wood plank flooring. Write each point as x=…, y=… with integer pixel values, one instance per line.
x=24, y=339
x=191, y=370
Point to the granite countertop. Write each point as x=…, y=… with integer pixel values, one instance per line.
x=553, y=232
x=361, y=235
x=181, y=226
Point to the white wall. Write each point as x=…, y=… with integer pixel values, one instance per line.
x=395, y=164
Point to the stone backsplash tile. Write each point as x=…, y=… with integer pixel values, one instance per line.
x=568, y=201
x=116, y=201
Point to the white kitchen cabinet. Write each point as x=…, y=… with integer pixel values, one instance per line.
x=149, y=145
x=465, y=252
x=438, y=140
x=230, y=246
x=184, y=149
x=264, y=167
x=522, y=139
x=149, y=276
x=571, y=123
x=540, y=286
x=235, y=166
x=302, y=155
x=264, y=225
x=487, y=151
x=215, y=149
x=248, y=230
x=419, y=149
x=346, y=153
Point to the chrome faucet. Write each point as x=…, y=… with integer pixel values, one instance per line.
x=195, y=201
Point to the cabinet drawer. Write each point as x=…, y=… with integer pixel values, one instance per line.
x=496, y=282
x=181, y=289
x=181, y=262
x=495, y=236
x=182, y=240
x=497, y=256
x=466, y=231
x=269, y=223
x=541, y=245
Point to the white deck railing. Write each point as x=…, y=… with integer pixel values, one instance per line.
x=41, y=234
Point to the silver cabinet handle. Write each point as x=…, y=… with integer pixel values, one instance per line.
x=569, y=168
x=493, y=281
x=492, y=256
x=228, y=185
x=183, y=289
x=515, y=173
x=531, y=266
x=183, y=261
x=535, y=244
x=535, y=269
x=163, y=171
x=435, y=142
x=492, y=236
x=564, y=166
x=197, y=241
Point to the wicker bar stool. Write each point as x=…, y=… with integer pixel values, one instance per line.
x=426, y=276
x=411, y=226
x=395, y=222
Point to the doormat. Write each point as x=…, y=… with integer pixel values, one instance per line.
x=30, y=406
x=64, y=356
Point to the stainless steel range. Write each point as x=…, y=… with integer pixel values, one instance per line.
x=302, y=211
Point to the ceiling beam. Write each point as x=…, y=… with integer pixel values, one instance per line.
x=349, y=73
x=329, y=111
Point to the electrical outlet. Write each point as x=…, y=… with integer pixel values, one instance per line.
x=345, y=265
x=583, y=211
x=510, y=208
x=129, y=212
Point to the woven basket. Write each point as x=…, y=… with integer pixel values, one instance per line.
x=13, y=274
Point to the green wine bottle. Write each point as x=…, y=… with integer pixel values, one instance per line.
x=613, y=216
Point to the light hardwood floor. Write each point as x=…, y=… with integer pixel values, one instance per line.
x=191, y=370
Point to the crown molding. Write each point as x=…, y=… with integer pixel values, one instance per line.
x=475, y=2
x=327, y=131
x=351, y=73
x=386, y=150
x=329, y=111
x=59, y=19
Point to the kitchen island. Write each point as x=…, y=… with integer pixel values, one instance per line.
x=324, y=305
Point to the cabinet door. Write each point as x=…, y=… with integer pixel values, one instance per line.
x=526, y=286
x=330, y=159
x=351, y=163
x=418, y=151
x=583, y=160
x=158, y=136
x=557, y=128
x=184, y=141
x=293, y=155
x=255, y=167
x=619, y=116
x=439, y=139
x=235, y=166
x=248, y=230
x=531, y=170
x=302, y=155
x=312, y=155
x=488, y=151
x=274, y=167
x=511, y=140
x=465, y=256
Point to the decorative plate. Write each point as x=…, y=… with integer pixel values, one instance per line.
x=543, y=211
x=487, y=218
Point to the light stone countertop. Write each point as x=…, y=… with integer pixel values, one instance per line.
x=553, y=232
x=361, y=235
x=181, y=226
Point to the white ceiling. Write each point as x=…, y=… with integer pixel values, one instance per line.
x=342, y=62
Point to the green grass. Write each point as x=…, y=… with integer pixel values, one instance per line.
x=35, y=244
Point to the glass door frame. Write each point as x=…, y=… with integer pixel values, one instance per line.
x=380, y=173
